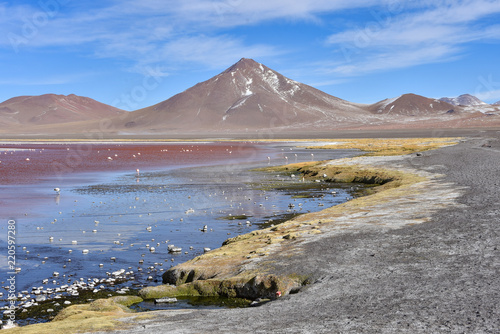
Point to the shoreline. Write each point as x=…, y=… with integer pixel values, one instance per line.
x=245, y=267
x=265, y=135
x=63, y=240
x=342, y=263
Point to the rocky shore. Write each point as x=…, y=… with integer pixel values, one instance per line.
x=419, y=255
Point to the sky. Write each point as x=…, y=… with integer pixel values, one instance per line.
x=133, y=54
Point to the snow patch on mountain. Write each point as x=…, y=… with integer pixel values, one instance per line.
x=248, y=85
x=385, y=103
x=463, y=100
x=272, y=79
x=239, y=103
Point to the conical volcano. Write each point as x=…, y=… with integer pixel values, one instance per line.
x=248, y=95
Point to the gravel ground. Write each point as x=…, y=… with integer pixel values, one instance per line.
x=441, y=276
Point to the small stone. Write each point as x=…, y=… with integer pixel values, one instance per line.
x=165, y=300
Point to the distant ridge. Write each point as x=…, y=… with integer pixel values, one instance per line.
x=249, y=99
x=411, y=105
x=53, y=109
x=463, y=100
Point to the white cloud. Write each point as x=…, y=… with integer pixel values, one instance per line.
x=172, y=32
x=214, y=51
x=133, y=28
x=414, y=36
x=491, y=96
x=143, y=32
x=47, y=80
x=488, y=88
x=227, y=13
x=396, y=59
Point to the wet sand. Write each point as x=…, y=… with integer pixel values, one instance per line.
x=440, y=276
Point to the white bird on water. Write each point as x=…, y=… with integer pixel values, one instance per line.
x=57, y=190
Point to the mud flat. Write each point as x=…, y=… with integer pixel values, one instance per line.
x=418, y=255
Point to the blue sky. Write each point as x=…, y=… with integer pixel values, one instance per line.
x=133, y=54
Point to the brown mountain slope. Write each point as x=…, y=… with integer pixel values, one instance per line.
x=411, y=105
x=248, y=95
x=53, y=109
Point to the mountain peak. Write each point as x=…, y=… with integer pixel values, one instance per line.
x=247, y=95
x=411, y=105
x=463, y=100
x=244, y=64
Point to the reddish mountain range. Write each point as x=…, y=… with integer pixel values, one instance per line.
x=246, y=98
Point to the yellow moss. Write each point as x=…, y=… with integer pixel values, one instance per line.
x=126, y=300
x=158, y=291
x=384, y=146
x=100, y=315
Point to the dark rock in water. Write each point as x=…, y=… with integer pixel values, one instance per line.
x=166, y=300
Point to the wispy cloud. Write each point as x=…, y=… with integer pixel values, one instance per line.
x=170, y=34
x=153, y=31
x=47, y=80
x=397, y=59
x=488, y=88
x=414, y=36
x=490, y=96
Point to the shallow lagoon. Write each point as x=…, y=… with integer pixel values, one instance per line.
x=109, y=209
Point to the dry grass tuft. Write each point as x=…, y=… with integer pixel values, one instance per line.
x=384, y=146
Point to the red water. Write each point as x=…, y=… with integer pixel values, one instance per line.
x=29, y=163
